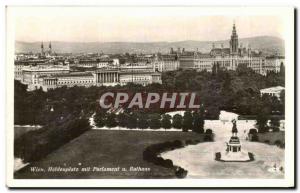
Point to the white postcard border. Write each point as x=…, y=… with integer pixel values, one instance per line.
x=286, y=13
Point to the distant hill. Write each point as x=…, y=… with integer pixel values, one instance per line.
x=267, y=44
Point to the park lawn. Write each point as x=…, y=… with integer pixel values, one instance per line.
x=20, y=130
x=109, y=149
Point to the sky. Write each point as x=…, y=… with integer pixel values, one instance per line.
x=138, y=24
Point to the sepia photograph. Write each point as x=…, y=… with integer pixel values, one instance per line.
x=173, y=96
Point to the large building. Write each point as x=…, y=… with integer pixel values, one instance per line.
x=166, y=62
x=272, y=91
x=49, y=76
x=21, y=64
x=273, y=63
x=30, y=74
x=95, y=63
x=47, y=82
x=230, y=58
x=107, y=77
x=143, y=75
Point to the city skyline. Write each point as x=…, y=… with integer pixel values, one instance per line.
x=89, y=24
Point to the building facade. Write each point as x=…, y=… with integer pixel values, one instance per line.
x=165, y=63
x=230, y=58
x=273, y=63
x=30, y=74
x=272, y=91
x=143, y=78
x=143, y=75
x=47, y=82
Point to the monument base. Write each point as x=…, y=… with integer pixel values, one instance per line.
x=241, y=156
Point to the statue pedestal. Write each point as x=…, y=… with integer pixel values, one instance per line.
x=240, y=156
x=234, y=152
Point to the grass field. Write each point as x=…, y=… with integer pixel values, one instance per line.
x=20, y=130
x=108, y=149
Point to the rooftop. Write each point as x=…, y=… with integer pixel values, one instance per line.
x=273, y=89
x=74, y=74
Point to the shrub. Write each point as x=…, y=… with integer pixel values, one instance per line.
x=151, y=152
x=167, y=163
x=218, y=156
x=187, y=123
x=251, y=156
x=111, y=120
x=166, y=121
x=267, y=141
x=178, y=144
x=197, y=141
x=188, y=142
x=275, y=122
x=253, y=131
x=278, y=143
x=158, y=161
x=281, y=169
x=154, y=121
x=254, y=137
x=198, y=121
x=208, y=131
x=180, y=172
x=185, y=130
x=208, y=138
x=177, y=121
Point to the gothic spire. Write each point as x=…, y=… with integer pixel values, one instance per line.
x=234, y=29
x=234, y=41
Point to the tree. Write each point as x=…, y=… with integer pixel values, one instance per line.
x=282, y=69
x=214, y=70
x=226, y=87
x=154, y=121
x=177, y=121
x=187, y=121
x=166, y=121
x=243, y=70
x=275, y=122
x=282, y=101
x=198, y=121
x=261, y=121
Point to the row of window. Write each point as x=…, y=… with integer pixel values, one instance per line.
x=76, y=82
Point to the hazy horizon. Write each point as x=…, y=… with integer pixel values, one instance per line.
x=147, y=41
x=137, y=24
